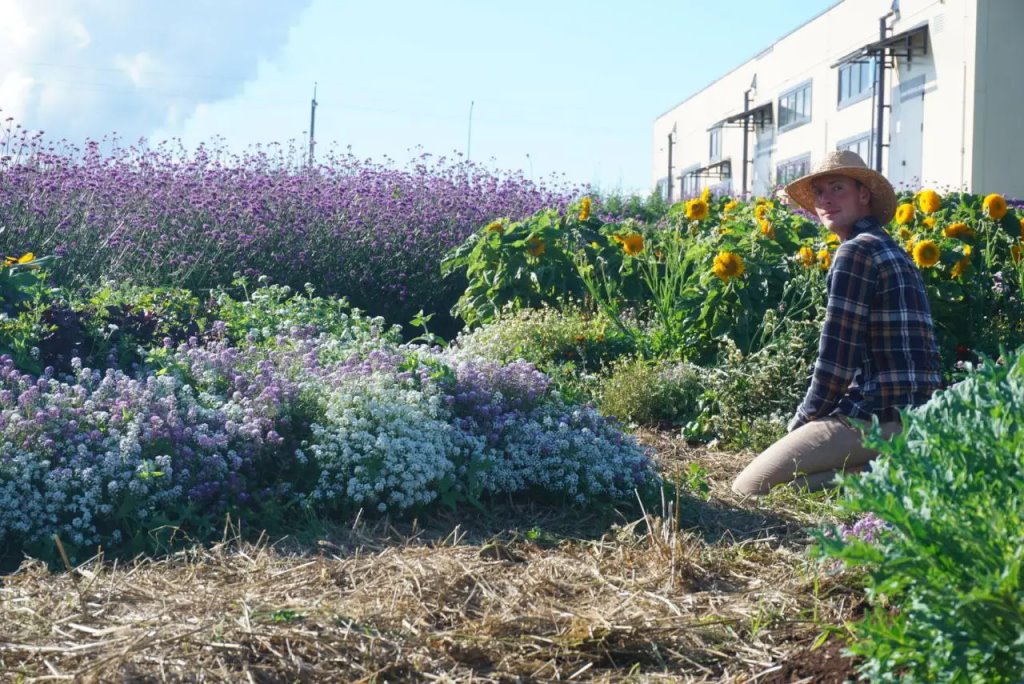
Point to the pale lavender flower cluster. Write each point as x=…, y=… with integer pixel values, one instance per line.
x=100, y=455
x=333, y=423
x=486, y=392
x=537, y=443
x=162, y=215
x=866, y=529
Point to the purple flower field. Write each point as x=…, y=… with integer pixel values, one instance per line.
x=162, y=215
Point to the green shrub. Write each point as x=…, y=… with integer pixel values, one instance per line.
x=263, y=313
x=946, y=583
x=649, y=209
x=652, y=393
x=569, y=344
x=755, y=395
x=23, y=297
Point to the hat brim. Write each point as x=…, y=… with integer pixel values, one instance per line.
x=883, y=196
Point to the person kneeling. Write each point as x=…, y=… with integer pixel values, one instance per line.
x=877, y=352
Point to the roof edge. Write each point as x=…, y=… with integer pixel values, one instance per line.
x=752, y=57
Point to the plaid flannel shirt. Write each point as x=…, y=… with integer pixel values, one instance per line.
x=877, y=351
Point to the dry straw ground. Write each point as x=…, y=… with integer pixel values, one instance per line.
x=717, y=591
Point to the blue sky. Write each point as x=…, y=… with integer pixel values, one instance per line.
x=557, y=87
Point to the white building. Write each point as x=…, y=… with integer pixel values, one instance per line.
x=950, y=112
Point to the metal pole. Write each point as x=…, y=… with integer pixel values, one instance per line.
x=312, y=124
x=746, y=137
x=670, y=168
x=469, y=132
x=880, y=103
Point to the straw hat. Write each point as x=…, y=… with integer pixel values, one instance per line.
x=847, y=163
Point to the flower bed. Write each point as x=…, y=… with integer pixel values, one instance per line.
x=288, y=421
x=163, y=216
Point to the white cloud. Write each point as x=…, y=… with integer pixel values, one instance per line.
x=80, y=33
x=139, y=67
x=86, y=68
x=17, y=32
x=14, y=92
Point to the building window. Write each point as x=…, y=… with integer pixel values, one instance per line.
x=795, y=107
x=856, y=81
x=860, y=144
x=690, y=185
x=715, y=146
x=791, y=169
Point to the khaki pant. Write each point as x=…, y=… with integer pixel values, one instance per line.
x=809, y=456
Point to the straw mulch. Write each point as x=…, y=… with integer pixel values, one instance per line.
x=714, y=591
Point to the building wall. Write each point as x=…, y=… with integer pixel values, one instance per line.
x=932, y=101
x=930, y=128
x=998, y=131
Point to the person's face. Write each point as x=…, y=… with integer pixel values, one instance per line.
x=840, y=202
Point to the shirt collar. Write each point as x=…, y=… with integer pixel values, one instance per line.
x=866, y=223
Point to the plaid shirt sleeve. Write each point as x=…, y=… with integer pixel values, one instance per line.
x=851, y=288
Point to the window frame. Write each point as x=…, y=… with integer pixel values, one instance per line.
x=715, y=144
x=851, y=142
x=802, y=98
x=801, y=161
x=865, y=73
x=687, y=176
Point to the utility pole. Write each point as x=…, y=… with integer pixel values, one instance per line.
x=746, y=131
x=469, y=132
x=883, y=31
x=312, y=124
x=671, y=142
x=880, y=100
x=670, y=167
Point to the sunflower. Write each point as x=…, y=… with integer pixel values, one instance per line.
x=929, y=221
x=633, y=244
x=1015, y=253
x=959, y=230
x=926, y=253
x=767, y=230
x=904, y=214
x=732, y=204
x=761, y=211
x=1022, y=229
x=535, y=246
x=806, y=256
x=23, y=259
x=824, y=259
x=905, y=233
x=832, y=240
x=696, y=209
x=496, y=227
x=584, y=209
x=959, y=268
x=929, y=201
x=706, y=195
x=728, y=265
x=994, y=206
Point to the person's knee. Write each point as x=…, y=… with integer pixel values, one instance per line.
x=746, y=485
